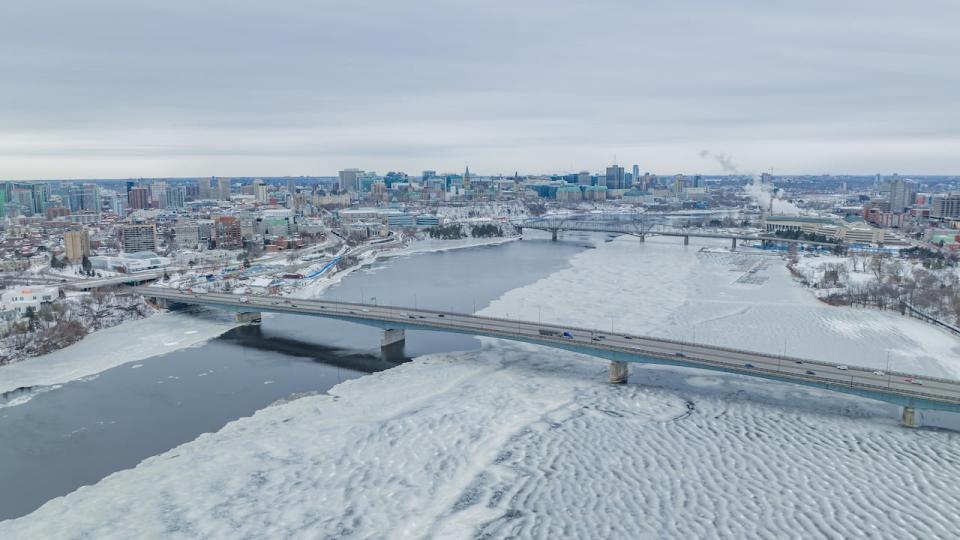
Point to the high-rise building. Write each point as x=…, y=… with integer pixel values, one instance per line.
x=902, y=194
x=227, y=232
x=138, y=198
x=187, y=234
x=91, y=197
x=614, y=177
x=697, y=181
x=111, y=201
x=350, y=180
x=176, y=197
x=945, y=206
x=427, y=175
x=203, y=189
x=158, y=195
x=22, y=199
x=40, y=195
x=138, y=237
x=645, y=182
x=636, y=174
x=77, y=244
x=678, y=183
x=223, y=189
x=260, y=192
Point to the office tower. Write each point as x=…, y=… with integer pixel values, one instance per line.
x=945, y=206
x=697, y=181
x=138, y=237
x=223, y=189
x=260, y=192
x=83, y=198
x=678, y=183
x=614, y=177
x=203, y=189
x=138, y=198
x=583, y=178
x=176, y=196
x=350, y=180
x=636, y=174
x=902, y=194
x=39, y=194
x=158, y=195
x=428, y=175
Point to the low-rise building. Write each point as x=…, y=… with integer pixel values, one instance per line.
x=130, y=262
x=22, y=298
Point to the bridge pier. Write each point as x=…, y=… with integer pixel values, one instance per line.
x=909, y=418
x=642, y=237
x=391, y=344
x=733, y=243
x=686, y=240
x=248, y=317
x=619, y=372
x=553, y=234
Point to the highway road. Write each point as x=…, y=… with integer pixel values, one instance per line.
x=611, y=345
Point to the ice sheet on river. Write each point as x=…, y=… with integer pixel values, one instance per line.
x=515, y=440
x=128, y=342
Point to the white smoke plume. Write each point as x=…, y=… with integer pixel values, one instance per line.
x=725, y=161
x=762, y=193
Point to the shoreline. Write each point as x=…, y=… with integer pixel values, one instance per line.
x=156, y=336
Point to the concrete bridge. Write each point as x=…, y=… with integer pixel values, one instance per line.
x=903, y=389
x=640, y=229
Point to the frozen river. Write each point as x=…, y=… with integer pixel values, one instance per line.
x=514, y=440
x=74, y=434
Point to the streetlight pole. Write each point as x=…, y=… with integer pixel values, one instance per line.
x=888, y=370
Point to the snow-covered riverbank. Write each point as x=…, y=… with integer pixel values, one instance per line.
x=519, y=441
x=166, y=332
x=127, y=342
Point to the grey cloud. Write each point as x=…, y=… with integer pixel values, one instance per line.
x=522, y=84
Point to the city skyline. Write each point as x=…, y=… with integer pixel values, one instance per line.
x=115, y=91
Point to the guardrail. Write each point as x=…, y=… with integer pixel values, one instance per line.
x=442, y=321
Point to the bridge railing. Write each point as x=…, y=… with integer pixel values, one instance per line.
x=152, y=291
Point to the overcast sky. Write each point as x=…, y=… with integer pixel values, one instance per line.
x=127, y=88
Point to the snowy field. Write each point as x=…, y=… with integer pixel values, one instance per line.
x=519, y=441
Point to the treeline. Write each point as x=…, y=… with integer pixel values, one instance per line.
x=486, y=231
x=800, y=235
x=56, y=325
x=893, y=282
x=446, y=232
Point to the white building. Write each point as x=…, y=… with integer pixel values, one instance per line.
x=130, y=262
x=21, y=298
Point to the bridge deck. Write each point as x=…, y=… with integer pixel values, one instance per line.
x=893, y=387
x=637, y=229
